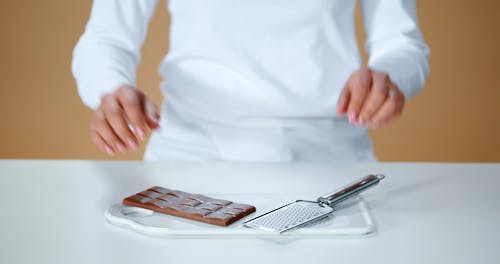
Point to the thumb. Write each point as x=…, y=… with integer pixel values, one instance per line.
x=152, y=115
x=343, y=101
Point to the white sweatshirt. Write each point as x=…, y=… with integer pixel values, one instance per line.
x=252, y=80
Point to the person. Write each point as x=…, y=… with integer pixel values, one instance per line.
x=256, y=81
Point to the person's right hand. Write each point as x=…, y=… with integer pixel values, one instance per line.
x=122, y=119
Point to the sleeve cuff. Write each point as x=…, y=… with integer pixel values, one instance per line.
x=405, y=68
x=91, y=93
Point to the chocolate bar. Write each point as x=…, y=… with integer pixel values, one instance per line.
x=191, y=206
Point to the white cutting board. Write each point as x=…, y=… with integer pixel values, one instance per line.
x=353, y=220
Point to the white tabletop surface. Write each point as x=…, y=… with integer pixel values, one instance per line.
x=52, y=212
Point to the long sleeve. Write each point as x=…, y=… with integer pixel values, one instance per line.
x=395, y=43
x=108, y=52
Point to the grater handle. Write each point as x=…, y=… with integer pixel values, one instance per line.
x=350, y=190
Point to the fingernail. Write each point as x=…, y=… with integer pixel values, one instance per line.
x=140, y=132
x=351, y=117
x=120, y=147
x=132, y=144
x=155, y=118
x=360, y=121
x=109, y=150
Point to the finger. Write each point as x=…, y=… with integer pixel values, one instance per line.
x=103, y=129
x=359, y=86
x=375, y=99
x=101, y=144
x=118, y=123
x=388, y=111
x=129, y=100
x=400, y=99
x=152, y=115
x=343, y=101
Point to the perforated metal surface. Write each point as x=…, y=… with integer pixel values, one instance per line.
x=289, y=216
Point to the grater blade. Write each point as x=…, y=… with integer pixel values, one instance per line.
x=302, y=212
x=289, y=216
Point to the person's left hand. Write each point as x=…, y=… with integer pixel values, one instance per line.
x=370, y=99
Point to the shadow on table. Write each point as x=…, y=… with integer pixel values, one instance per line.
x=404, y=199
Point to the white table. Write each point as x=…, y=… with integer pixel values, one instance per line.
x=52, y=212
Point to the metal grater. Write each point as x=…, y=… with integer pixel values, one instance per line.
x=302, y=212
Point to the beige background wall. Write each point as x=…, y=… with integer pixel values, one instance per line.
x=456, y=118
